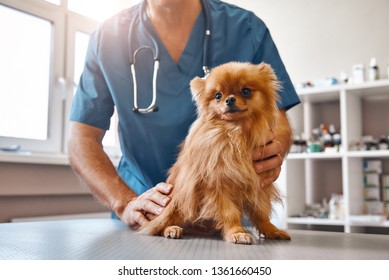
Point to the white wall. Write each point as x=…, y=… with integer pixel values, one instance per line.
x=321, y=38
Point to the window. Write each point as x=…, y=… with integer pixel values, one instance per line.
x=31, y=55
x=42, y=54
x=26, y=74
x=81, y=45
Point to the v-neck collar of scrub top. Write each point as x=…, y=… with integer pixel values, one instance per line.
x=189, y=57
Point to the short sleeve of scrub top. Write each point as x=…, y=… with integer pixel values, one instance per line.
x=92, y=104
x=268, y=53
x=150, y=142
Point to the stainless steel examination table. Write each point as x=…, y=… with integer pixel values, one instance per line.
x=111, y=239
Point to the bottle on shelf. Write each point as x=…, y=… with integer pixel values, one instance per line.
x=333, y=207
x=383, y=143
x=358, y=76
x=374, y=73
x=336, y=207
x=314, y=145
x=337, y=141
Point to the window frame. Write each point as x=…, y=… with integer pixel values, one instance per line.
x=50, y=12
x=76, y=23
x=65, y=25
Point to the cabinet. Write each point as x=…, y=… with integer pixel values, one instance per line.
x=307, y=178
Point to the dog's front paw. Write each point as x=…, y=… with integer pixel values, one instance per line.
x=270, y=231
x=277, y=234
x=240, y=238
x=173, y=232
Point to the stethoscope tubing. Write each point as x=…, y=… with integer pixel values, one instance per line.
x=156, y=57
x=207, y=37
x=152, y=107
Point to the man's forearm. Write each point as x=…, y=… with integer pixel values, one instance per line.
x=90, y=162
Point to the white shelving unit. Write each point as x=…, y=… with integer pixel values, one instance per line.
x=306, y=178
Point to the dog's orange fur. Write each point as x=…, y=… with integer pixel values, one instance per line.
x=214, y=178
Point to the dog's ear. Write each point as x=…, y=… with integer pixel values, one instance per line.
x=197, y=86
x=268, y=76
x=266, y=69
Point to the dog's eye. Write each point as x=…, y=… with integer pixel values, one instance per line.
x=218, y=96
x=246, y=92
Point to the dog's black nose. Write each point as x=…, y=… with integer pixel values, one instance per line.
x=230, y=101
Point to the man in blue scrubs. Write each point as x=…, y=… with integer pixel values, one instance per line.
x=135, y=191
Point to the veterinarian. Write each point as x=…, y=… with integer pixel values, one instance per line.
x=182, y=38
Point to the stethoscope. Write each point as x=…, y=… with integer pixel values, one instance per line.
x=155, y=51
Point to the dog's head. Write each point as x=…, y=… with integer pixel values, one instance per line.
x=234, y=91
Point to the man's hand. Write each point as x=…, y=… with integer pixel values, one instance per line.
x=268, y=160
x=146, y=206
x=90, y=161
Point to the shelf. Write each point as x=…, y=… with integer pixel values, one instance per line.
x=41, y=158
x=320, y=95
x=369, y=85
x=319, y=90
x=350, y=154
x=315, y=155
x=35, y=158
x=370, y=90
x=368, y=154
x=353, y=221
x=355, y=110
x=368, y=221
x=316, y=221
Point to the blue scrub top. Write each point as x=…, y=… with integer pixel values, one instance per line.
x=150, y=142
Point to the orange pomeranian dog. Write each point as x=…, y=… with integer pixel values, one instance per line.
x=214, y=178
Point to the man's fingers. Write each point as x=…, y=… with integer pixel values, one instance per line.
x=139, y=218
x=150, y=216
x=164, y=188
x=268, y=164
x=132, y=217
x=271, y=149
x=272, y=176
x=148, y=206
x=270, y=137
x=157, y=197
